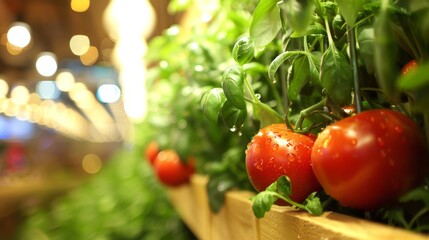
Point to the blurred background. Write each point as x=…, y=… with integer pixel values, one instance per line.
x=71, y=91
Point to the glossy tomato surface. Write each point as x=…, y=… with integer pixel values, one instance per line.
x=370, y=159
x=410, y=66
x=170, y=170
x=275, y=151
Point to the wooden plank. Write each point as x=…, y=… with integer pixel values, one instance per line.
x=203, y=213
x=183, y=200
x=236, y=220
x=241, y=221
x=288, y=223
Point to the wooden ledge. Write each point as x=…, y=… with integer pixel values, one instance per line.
x=236, y=220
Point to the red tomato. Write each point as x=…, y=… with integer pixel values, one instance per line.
x=411, y=65
x=151, y=152
x=276, y=151
x=170, y=170
x=370, y=159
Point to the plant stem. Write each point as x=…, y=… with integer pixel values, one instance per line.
x=265, y=107
x=306, y=112
x=426, y=126
x=351, y=37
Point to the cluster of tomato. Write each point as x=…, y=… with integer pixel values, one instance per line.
x=168, y=167
x=364, y=161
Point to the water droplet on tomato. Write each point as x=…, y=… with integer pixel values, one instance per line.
x=391, y=162
x=372, y=119
x=383, y=154
x=291, y=157
x=275, y=147
x=398, y=129
x=326, y=141
x=382, y=125
x=354, y=142
x=380, y=141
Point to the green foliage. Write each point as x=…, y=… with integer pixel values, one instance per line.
x=281, y=189
x=122, y=202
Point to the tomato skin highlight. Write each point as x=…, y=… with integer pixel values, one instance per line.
x=370, y=159
x=170, y=170
x=276, y=151
x=410, y=66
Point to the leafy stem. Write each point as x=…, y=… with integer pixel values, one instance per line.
x=260, y=104
x=281, y=189
x=353, y=55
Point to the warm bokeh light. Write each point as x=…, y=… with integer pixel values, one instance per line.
x=90, y=57
x=19, y=35
x=47, y=90
x=46, y=64
x=19, y=95
x=79, y=44
x=12, y=49
x=108, y=93
x=4, y=88
x=65, y=81
x=80, y=5
x=91, y=163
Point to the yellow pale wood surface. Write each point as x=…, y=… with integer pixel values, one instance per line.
x=236, y=221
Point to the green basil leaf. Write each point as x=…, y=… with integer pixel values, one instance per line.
x=243, y=50
x=313, y=204
x=212, y=102
x=366, y=47
x=232, y=116
x=350, y=9
x=336, y=76
x=301, y=76
x=385, y=52
x=284, y=186
x=262, y=203
x=232, y=84
x=264, y=116
x=217, y=186
x=298, y=14
x=278, y=61
x=265, y=23
x=315, y=29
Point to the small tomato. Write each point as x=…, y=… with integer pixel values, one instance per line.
x=170, y=170
x=151, y=152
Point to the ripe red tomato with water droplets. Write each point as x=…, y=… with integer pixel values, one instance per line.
x=410, y=66
x=370, y=159
x=276, y=151
x=171, y=170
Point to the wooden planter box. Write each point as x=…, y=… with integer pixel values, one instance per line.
x=236, y=220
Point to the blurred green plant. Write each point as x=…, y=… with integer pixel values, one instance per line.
x=123, y=201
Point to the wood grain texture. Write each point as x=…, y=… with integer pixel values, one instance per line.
x=236, y=221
